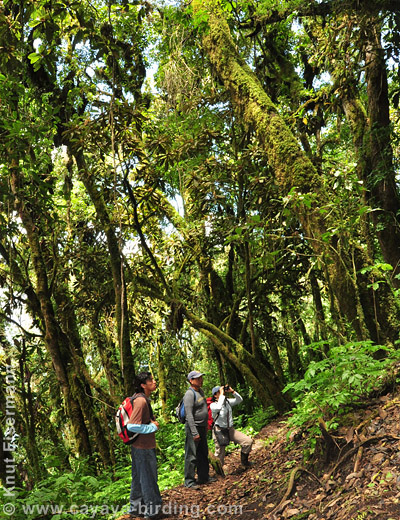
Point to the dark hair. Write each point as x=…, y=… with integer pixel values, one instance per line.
x=140, y=380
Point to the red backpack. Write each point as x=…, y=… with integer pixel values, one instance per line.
x=210, y=422
x=122, y=417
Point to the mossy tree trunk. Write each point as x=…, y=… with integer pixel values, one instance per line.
x=381, y=180
x=82, y=383
x=320, y=322
x=273, y=345
x=371, y=131
x=258, y=372
x=162, y=376
x=32, y=448
x=64, y=349
x=108, y=356
x=56, y=348
x=294, y=172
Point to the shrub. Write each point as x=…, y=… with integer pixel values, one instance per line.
x=348, y=375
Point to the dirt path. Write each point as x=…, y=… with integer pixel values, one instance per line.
x=360, y=482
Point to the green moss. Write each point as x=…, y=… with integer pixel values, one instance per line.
x=292, y=167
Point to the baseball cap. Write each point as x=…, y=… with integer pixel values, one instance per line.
x=215, y=390
x=194, y=375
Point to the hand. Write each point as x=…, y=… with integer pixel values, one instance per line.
x=157, y=424
x=197, y=438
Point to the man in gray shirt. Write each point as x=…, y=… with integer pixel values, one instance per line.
x=196, y=447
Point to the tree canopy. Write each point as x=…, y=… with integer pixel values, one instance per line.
x=212, y=185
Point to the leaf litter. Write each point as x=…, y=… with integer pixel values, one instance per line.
x=360, y=482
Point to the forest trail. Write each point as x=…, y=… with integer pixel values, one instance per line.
x=361, y=481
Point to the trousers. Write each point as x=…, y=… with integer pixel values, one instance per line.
x=196, y=457
x=145, y=497
x=244, y=441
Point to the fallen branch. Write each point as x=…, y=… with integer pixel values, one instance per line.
x=358, y=459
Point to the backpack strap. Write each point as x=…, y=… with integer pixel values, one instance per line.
x=219, y=411
x=141, y=394
x=194, y=396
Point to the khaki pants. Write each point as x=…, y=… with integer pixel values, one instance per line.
x=244, y=441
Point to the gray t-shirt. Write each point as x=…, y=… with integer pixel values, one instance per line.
x=196, y=410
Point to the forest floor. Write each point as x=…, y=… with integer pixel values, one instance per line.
x=352, y=475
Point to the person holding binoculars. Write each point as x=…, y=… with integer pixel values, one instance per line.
x=223, y=430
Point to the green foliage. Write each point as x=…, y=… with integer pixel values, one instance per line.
x=254, y=422
x=379, y=269
x=73, y=109
x=171, y=442
x=348, y=374
x=74, y=493
x=361, y=516
x=82, y=494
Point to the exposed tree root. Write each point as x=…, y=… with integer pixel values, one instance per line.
x=299, y=469
x=279, y=508
x=348, y=454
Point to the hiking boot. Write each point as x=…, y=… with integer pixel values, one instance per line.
x=194, y=486
x=209, y=481
x=244, y=459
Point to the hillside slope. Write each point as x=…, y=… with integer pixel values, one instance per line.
x=353, y=475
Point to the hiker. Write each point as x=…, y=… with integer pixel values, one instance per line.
x=145, y=497
x=221, y=409
x=196, y=447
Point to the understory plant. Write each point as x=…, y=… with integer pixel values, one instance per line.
x=83, y=495
x=347, y=375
